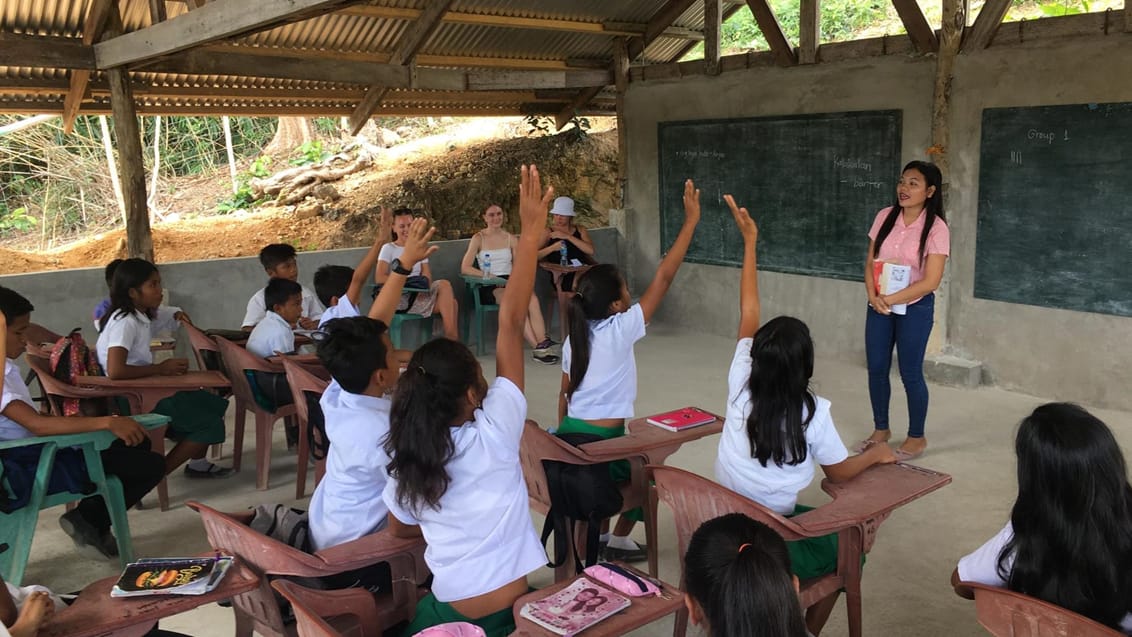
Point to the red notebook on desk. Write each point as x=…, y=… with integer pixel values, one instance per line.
x=681, y=419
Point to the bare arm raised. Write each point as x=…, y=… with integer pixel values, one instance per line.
x=749, y=307
x=665, y=274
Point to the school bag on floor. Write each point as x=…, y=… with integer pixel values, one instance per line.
x=578, y=493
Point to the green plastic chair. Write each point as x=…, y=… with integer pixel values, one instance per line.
x=401, y=318
x=18, y=527
x=474, y=283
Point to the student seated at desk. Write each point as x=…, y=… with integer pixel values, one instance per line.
x=278, y=260
x=1069, y=537
x=104, y=304
x=274, y=335
x=339, y=288
x=439, y=297
x=123, y=349
x=128, y=458
x=776, y=428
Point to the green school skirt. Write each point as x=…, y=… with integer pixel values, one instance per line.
x=813, y=556
x=618, y=470
x=196, y=416
x=431, y=612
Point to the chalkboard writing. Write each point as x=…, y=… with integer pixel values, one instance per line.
x=812, y=182
x=1055, y=207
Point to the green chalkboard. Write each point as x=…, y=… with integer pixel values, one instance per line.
x=1055, y=207
x=812, y=182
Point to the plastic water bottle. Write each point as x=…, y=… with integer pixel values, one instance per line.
x=562, y=254
x=486, y=266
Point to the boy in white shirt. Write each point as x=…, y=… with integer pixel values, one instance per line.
x=279, y=262
x=128, y=458
x=339, y=288
x=275, y=333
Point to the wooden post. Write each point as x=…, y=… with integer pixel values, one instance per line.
x=152, y=199
x=108, y=146
x=621, y=78
x=951, y=39
x=231, y=154
x=809, y=36
x=713, y=24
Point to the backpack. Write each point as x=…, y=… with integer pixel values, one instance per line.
x=281, y=522
x=71, y=359
x=578, y=493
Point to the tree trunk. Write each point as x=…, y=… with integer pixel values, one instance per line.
x=291, y=133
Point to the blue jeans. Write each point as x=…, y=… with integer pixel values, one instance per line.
x=909, y=334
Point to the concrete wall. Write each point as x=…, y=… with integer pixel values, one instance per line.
x=1055, y=353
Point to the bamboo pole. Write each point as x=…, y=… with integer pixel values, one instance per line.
x=231, y=154
x=152, y=199
x=109, y=148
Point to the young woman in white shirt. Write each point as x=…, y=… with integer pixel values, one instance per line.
x=776, y=427
x=599, y=368
x=439, y=298
x=123, y=349
x=1069, y=537
x=454, y=474
x=498, y=245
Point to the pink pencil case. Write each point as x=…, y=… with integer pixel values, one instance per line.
x=622, y=580
x=454, y=629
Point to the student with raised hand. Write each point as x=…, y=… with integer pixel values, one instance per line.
x=1069, y=538
x=454, y=473
x=599, y=369
x=339, y=288
x=738, y=580
x=775, y=427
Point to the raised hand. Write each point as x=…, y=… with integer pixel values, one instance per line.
x=417, y=248
x=691, y=203
x=743, y=220
x=533, y=202
x=385, y=224
x=126, y=429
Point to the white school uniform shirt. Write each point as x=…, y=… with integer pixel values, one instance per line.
x=134, y=331
x=257, y=308
x=981, y=567
x=481, y=537
x=272, y=334
x=609, y=387
x=14, y=389
x=772, y=486
x=348, y=503
x=392, y=251
x=344, y=309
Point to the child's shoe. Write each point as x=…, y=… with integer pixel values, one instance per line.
x=86, y=537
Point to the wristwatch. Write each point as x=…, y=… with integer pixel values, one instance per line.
x=397, y=268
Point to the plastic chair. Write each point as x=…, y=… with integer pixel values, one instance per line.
x=537, y=446
x=1005, y=613
x=401, y=318
x=695, y=500
x=304, y=385
x=36, y=335
x=258, y=610
x=479, y=316
x=17, y=528
x=56, y=390
x=237, y=361
x=314, y=607
x=207, y=354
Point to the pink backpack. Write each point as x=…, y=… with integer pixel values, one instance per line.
x=70, y=360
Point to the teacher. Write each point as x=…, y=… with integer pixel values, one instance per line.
x=911, y=232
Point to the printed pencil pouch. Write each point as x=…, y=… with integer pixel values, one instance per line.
x=453, y=629
x=622, y=580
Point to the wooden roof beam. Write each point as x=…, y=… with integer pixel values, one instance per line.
x=470, y=61
x=411, y=42
x=809, y=31
x=921, y=33
x=39, y=51
x=713, y=24
x=772, y=31
x=93, y=25
x=981, y=33
x=216, y=20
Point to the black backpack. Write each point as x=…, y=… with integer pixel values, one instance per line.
x=578, y=493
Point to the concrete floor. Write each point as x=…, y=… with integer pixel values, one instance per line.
x=906, y=580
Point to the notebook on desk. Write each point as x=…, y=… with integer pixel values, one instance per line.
x=574, y=608
x=681, y=419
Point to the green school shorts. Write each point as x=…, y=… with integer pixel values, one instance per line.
x=196, y=416
x=813, y=556
x=431, y=612
x=618, y=470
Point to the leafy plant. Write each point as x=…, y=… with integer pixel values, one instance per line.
x=259, y=167
x=1054, y=9
x=16, y=220
x=310, y=152
x=545, y=125
x=242, y=199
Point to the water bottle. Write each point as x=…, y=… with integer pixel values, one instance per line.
x=562, y=261
x=486, y=269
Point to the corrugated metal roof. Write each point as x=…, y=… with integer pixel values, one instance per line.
x=365, y=31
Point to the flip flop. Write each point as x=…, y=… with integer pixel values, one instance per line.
x=860, y=447
x=905, y=456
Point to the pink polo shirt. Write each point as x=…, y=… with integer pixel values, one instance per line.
x=902, y=245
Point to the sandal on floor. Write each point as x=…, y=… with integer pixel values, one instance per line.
x=860, y=447
x=905, y=456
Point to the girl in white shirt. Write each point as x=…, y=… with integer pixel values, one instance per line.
x=123, y=349
x=1069, y=537
x=454, y=474
x=775, y=427
x=599, y=370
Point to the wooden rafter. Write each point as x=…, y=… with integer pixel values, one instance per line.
x=93, y=26
x=921, y=33
x=157, y=11
x=468, y=61
x=411, y=42
x=713, y=24
x=312, y=110
x=772, y=31
x=981, y=33
x=39, y=51
x=1128, y=15
x=809, y=31
x=216, y=20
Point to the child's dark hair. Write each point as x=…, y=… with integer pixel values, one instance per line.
x=933, y=207
x=130, y=274
x=1072, y=521
x=279, y=291
x=352, y=350
x=275, y=254
x=429, y=398
x=738, y=571
x=332, y=281
x=14, y=305
x=594, y=292
x=109, y=271
x=782, y=405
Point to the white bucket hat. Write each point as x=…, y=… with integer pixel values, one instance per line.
x=563, y=206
